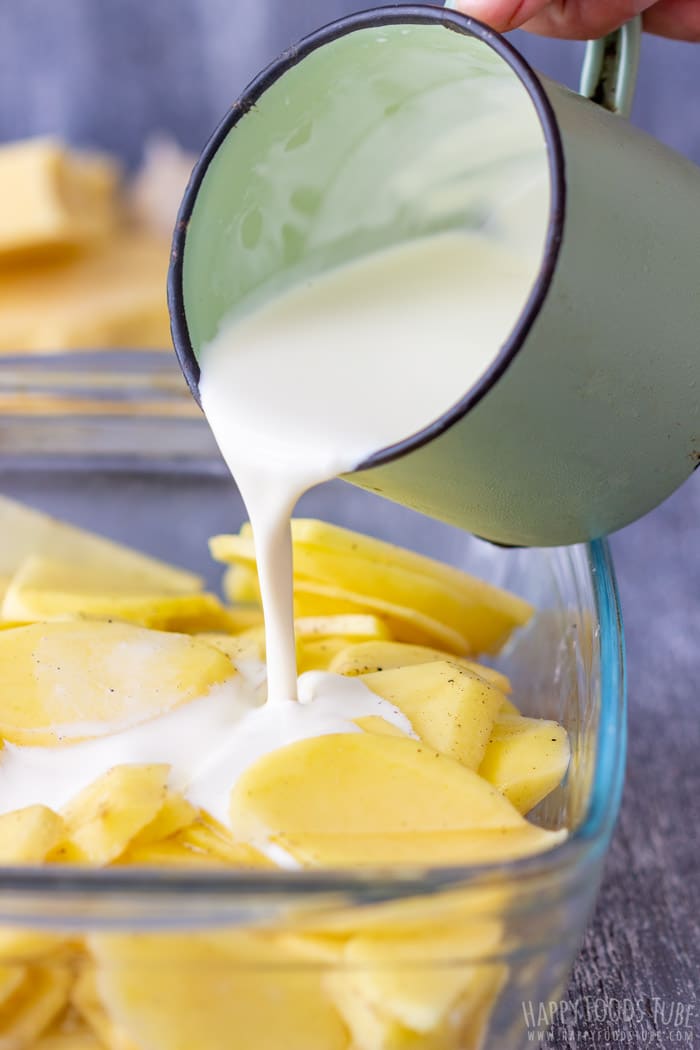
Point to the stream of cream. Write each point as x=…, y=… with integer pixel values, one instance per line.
x=312, y=384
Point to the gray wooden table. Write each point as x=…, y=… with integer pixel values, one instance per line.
x=109, y=72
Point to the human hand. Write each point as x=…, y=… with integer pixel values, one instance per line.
x=586, y=19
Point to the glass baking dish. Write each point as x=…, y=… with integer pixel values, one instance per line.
x=169, y=959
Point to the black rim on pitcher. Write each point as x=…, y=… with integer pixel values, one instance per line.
x=377, y=18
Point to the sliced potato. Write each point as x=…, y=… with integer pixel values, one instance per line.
x=86, y=1001
x=367, y=657
x=71, y=681
x=407, y=977
x=526, y=758
x=363, y=783
x=451, y=709
x=216, y=842
x=417, y=849
x=406, y=624
x=377, y=724
x=35, y=1004
x=26, y=532
x=28, y=835
x=46, y=589
x=187, y=991
x=175, y=814
x=104, y=818
x=386, y=578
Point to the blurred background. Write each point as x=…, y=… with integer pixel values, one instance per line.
x=110, y=74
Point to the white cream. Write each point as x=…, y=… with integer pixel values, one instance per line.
x=311, y=384
x=208, y=743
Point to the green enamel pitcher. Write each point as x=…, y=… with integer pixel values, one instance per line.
x=404, y=121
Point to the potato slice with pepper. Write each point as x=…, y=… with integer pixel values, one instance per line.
x=451, y=709
x=526, y=758
x=72, y=681
x=365, y=784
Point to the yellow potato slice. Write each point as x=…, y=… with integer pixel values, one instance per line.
x=212, y=840
x=422, y=981
x=11, y=978
x=405, y=623
x=422, y=849
x=317, y=654
x=363, y=783
x=175, y=814
x=362, y=568
x=72, y=681
x=75, y=1037
x=111, y=294
x=28, y=835
x=377, y=724
x=35, y=1004
x=26, y=532
x=451, y=709
x=85, y=999
x=348, y=626
x=526, y=758
x=180, y=992
x=370, y=656
x=247, y=645
x=104, y=818
x=46, y=589
x=54, y=199
x=240, y=585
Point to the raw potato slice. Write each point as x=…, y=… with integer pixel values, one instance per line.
x=364, y=784
x=386, y=577
x=175, y=814
x=449, y=708
x=526, y=759
x=409, y=979
x=317, y=655
x=85, y=999
x=377, y=724
x=53, y=200
x=405, y=624
x=26, y=532
x=45, y=589
x=28, y=835
x=75, y=1038
x=72, y=681
x=104, y=818
x=216, y=843
x=191, y=992
x=240, y=585
x=421, y=849
x=110, y=295
x=370, y=656
x=358, y=626
x=248, y=645
x=34, y=1006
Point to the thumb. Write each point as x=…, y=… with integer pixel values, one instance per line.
x=575, y=19
x=502, y=15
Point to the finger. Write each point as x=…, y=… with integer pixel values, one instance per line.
x=502, y=15
x=573, y=19
x=679, y=19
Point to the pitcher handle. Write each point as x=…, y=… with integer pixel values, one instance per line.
x=610, y=68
